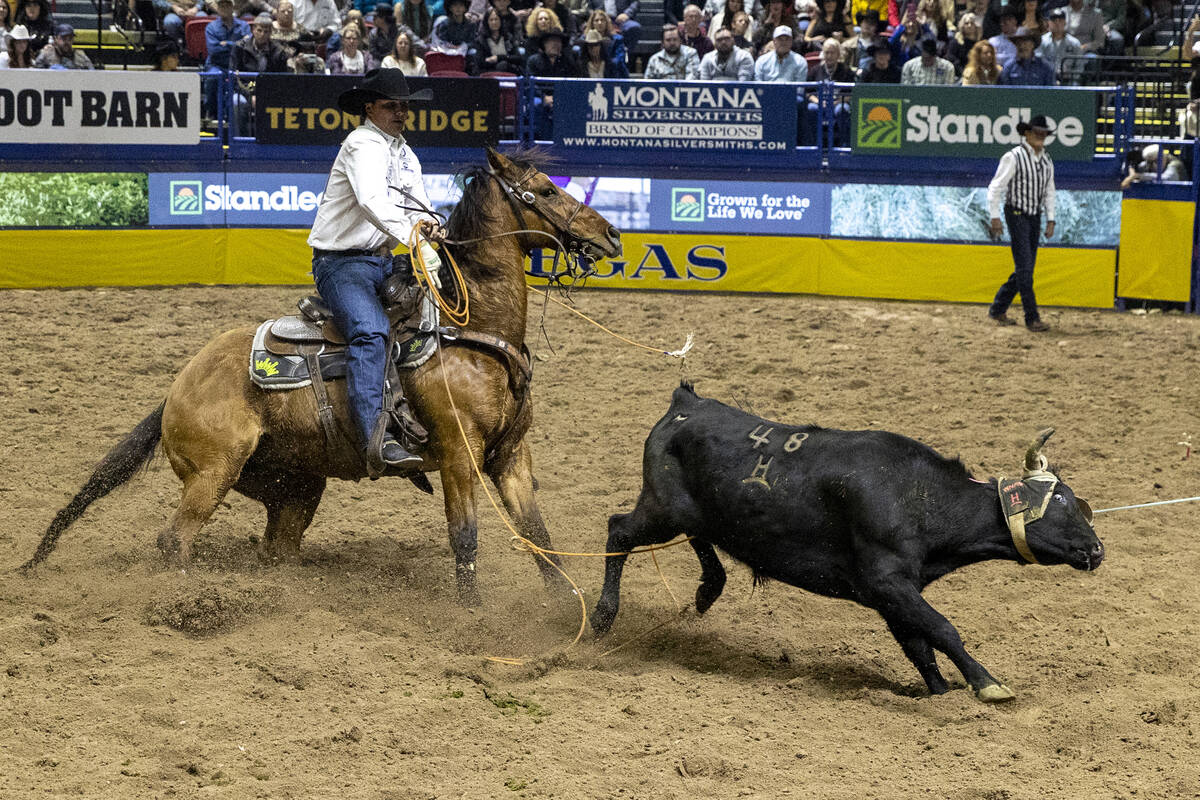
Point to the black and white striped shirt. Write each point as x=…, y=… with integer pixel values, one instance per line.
x=1025, y=181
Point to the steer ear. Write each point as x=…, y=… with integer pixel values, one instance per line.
x=1033, y=456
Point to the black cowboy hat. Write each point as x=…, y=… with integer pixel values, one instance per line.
x=379, y=84
x=1025, y=35
x=539, y=40
x=1038, y=123
x=870, y=13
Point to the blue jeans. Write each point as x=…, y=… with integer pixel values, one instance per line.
x=350, y=286
x=1024, y=230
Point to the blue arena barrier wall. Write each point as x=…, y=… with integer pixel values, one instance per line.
x=822, y=177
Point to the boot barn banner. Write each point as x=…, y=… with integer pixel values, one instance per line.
x=722, y=117
x=303, y=110
x=968, y=121
x=99, y=107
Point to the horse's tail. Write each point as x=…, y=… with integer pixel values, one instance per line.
x=115, y=469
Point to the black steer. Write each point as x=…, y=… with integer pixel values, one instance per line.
x=867, y=516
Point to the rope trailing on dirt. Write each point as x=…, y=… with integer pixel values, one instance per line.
x=680, y=353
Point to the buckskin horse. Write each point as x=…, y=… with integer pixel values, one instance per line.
x=220, y=431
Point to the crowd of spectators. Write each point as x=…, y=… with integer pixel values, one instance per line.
x=921, y=42
x=973, y=42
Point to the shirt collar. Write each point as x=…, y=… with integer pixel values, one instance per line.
x=393, y=141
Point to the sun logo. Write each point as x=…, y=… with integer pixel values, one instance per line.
x=687, y=205
x=266, y=367
x=185, y=197
x=879, y=123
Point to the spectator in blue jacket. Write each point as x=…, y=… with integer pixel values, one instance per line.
x=1026, y=69
x=222, y=34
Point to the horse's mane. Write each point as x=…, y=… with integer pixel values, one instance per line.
x=472, y=217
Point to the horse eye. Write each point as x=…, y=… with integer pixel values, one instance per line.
x=1058, y=498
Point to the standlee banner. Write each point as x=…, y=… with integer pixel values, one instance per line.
x=99, y=107
x=256, y=199
x=784, y=209
x=967, y=121
x=722, y=117
x=303, y=110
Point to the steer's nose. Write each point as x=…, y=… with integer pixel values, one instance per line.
x=1096, y=555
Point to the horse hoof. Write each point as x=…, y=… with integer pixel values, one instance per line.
x=995, y=693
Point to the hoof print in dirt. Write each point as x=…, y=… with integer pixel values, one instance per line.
x=202, y=610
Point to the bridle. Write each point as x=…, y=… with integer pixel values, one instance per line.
x=516, y=193
x=580, y=264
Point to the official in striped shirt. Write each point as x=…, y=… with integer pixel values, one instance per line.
x=1024, y=183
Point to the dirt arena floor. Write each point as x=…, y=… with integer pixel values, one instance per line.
x=356, y=675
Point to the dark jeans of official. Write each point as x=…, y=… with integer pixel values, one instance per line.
x=350, y=287
x=1024, y=230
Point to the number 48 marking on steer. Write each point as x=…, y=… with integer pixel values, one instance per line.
x=761, y=437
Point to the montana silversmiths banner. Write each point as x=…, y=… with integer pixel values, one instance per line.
x=968, y=121
x=303, y=110
x=56, y=106
x=645, y=115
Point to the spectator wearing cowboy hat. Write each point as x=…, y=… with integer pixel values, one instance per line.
x=382, y=37
x=928, y=69
x=854, y=49
x=1026, y=69
x=881, y=68
x=1002, y=42
x=551, y=59
x=359, y=222
x=454, y=32
x=61, y=53
x=596, y=62
x=1024, y=184
x=17, y=54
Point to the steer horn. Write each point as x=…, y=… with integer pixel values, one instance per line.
x=1033, y=456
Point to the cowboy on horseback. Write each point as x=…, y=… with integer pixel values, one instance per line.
x=357, y=226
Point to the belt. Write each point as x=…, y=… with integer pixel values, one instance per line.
x=355, y=251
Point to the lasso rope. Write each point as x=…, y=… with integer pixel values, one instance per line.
x=1148, y=505
x=680, y=353
x=460, y=312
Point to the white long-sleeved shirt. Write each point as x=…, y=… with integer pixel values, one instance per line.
x=1034, y=186
x=358, y=210
x=317, y=15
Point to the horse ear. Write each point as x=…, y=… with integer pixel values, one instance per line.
x=497, y=160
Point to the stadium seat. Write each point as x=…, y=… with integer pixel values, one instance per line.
x=193, y=36
x=448, y=73
x=813, y=59
x=497, y=75
x=442, y=62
